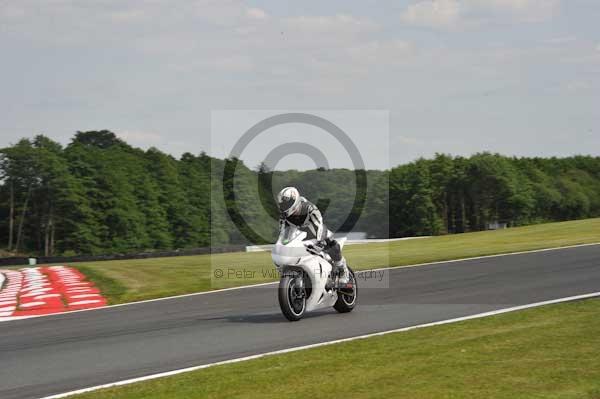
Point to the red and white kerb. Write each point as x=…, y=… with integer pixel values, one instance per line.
x=45, y=290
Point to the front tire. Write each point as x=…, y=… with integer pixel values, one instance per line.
x=345, y=302
x=292, y=296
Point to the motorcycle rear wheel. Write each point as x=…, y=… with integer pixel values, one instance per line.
x=346, y=303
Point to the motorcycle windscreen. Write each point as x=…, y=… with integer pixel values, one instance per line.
x=289, y=248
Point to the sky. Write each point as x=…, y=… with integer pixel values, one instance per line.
x=518, y=77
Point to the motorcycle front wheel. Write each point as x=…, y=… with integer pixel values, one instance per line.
x=292, y=296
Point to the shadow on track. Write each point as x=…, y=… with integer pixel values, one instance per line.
x=271, y=318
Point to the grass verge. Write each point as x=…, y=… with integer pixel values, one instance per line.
x=546, y=352
x=132, y=280
x=111, y=288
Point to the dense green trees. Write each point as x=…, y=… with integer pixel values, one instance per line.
x=100, y=195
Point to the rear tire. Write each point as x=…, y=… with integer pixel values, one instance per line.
x=292, y=306
x=346, y=303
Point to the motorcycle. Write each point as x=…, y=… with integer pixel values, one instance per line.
x=307, y=282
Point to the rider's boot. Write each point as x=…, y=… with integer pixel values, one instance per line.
x=341, y=270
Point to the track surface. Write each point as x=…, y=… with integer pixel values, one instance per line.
x=54, y=354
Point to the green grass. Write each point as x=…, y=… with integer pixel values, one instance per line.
x=111, y=288
x=547, y=352
x=131, y=280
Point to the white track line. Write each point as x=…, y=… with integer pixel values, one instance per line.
x=486, y=256
x=275, y=282
x=337, y=341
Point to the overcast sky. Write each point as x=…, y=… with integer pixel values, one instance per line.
x=519, y=77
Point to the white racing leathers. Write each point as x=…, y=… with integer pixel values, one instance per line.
x=310, y=220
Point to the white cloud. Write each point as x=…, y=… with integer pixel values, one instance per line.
x=376, y=52
x=521, y=10
x=226, y=12
x=11, y=11
x=256, y=13
x=340, y=23
x=218, y=12
x=409, y=140
x=433, y=13
x=128, y=15
x=519, y=5
x=139, y=137
x=451, y=14
x=233, y=63
x=561, y=40
x=578, y=85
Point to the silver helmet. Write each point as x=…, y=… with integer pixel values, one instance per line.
x=288, y=201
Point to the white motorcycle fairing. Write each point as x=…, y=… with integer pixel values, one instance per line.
x=290, y=253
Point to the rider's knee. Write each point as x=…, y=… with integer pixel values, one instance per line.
x=334, y=250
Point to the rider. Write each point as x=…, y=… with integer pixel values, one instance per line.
x=300, y=212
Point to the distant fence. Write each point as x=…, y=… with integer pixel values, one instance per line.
x=44, y=260
x=268, y=247
x=20, y=261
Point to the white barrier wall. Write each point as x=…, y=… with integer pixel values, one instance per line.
x=268, y=247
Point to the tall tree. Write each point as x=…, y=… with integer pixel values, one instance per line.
x=19, y=165
x=100, y=195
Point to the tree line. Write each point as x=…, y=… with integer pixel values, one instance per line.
x=99, y=195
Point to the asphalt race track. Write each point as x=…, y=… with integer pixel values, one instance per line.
x=54, y=354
